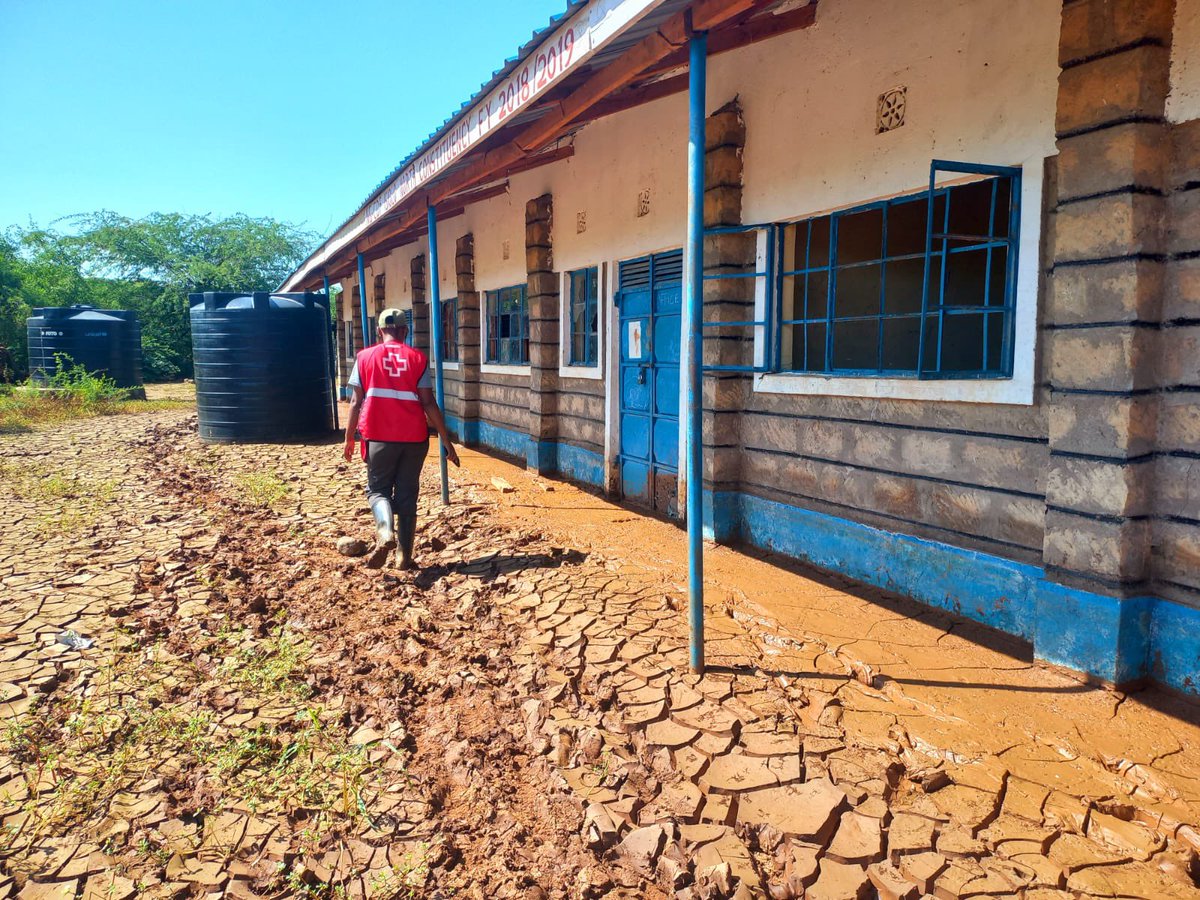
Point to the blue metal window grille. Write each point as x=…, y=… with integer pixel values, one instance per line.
x=717, y=324
x=450, y=330
x=408, y=325
x=584, y=316
x=508, y=327
x=923, y=285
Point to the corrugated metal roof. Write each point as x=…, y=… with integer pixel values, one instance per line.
x=635, y=33
x=484, y=89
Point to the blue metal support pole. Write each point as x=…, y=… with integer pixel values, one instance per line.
x=435, y=331
x=362, y=302
x=693, y=318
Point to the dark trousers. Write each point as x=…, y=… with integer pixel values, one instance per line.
x=394, y=473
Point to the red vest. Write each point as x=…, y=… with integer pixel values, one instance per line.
x=392, y=411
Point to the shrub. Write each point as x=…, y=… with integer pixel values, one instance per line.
x=75, y=383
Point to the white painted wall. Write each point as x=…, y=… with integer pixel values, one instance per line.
x=1183, y=104
x=643, y=149
x=979, y=90
x=493, y=222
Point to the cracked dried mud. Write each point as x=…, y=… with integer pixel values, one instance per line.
x=261, y=716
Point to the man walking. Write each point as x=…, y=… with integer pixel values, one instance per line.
x=392, y=407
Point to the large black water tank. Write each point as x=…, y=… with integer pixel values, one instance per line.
x=263, y=366
x=104, y=341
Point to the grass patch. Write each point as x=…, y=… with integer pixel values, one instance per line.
x=405, y=879
x=63, y=503
x=274, y=666
x=81, y=752
x=261, y=488
x=78, y=757
x=73, y=393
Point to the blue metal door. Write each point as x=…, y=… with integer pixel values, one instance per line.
x=650, y=299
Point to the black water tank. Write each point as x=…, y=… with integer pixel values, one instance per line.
x=104, y=341
x=263, y=366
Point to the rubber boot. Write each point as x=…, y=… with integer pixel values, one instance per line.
x=385, y=534
x=408, y=536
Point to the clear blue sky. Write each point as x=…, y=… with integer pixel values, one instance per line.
x=292, y=109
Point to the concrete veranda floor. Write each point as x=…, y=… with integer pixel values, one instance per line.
x=260, y=716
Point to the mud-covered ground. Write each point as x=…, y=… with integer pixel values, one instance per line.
x=259, y=716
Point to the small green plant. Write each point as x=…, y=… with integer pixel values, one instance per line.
x=77, y=754
x=404, y=880
x=70, y=393
x=261, y=488
x=86, y=388
x=273, y=666
x=602, y=767
x=64, y=504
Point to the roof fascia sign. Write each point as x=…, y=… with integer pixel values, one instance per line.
x=567, y=48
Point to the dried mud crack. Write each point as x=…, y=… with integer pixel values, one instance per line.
x=262, y=717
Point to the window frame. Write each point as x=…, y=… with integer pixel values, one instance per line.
x=568, y=367
x=449, y=329
x=489, y=322
x=939, y=247
x=1023, y=289
x=1012, y=245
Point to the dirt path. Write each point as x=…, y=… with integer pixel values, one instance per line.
x=260, y=716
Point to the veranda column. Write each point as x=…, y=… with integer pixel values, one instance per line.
x=420, y=306
x=726, y=394
x=544, y=327
x=690, y=417
x=469, y=351
x=1101, y=334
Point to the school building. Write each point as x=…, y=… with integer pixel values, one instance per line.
x=951, y=292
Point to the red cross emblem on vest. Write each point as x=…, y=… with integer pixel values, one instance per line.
x=394, y=363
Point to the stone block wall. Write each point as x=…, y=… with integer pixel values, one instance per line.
x=728, y=299
x=355, y=318
x=466, y=378
x=970, y=475
x=420, y=306
x=541, y=293
x=564, y=411
x=1109, y=338
x=1175, y=536
x=490, y=401
x=380, y=294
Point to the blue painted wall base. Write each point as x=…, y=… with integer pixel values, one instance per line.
x=1174, y=657
x=720, y=515
x=1113, y=639
x=1116, y=640
x=1103, y=636
x=578, y=464
x=544, y=457
x=457, y=426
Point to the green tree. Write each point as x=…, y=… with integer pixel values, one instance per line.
x=150, y=265
x=14, y=310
